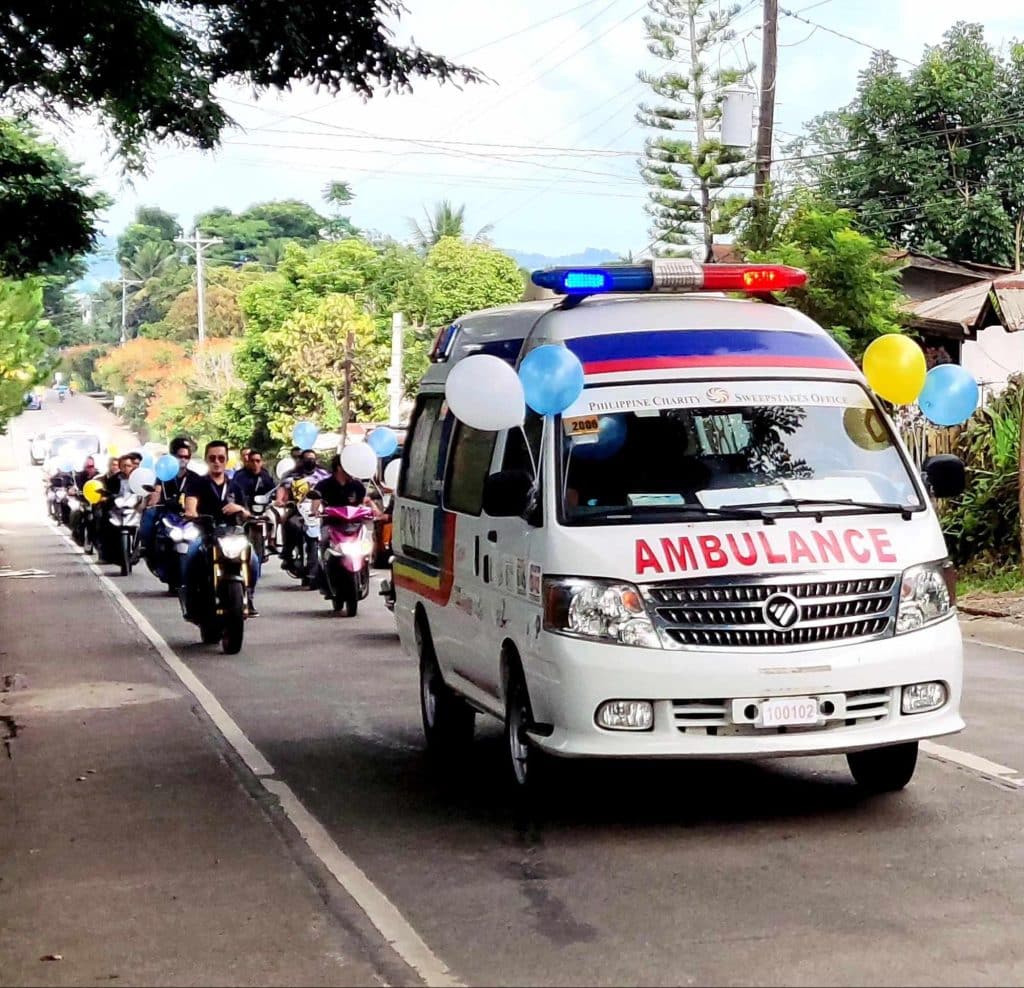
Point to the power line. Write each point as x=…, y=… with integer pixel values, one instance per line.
x=839, y=34
x=524, y=30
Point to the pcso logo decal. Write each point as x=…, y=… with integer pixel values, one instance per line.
x=717, y=396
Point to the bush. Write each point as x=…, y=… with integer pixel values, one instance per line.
x=983, y=526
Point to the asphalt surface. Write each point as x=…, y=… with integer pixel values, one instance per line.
x=776, y=872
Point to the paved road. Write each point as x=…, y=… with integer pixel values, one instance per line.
x=673, y=873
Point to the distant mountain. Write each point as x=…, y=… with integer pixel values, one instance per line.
x=588, y=257
x=100, y=266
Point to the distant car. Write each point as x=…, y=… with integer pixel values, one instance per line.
x=33, y=402
x=56, y=441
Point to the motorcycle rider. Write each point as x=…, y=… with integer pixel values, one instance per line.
x=340, y=490
x=219, y=498
x=252, y=480
x=307, y=471
x=81, y=478
x=166, y=494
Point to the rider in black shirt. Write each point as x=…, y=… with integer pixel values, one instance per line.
x=340, y=490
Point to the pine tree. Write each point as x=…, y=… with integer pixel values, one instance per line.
x=691, y=197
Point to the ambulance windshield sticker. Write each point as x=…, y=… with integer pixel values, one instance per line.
x=648, y=398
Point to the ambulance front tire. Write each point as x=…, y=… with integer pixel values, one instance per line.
x=448, y=721
x=879, y=770
x=526, y=765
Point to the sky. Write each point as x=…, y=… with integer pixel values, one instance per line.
x=546, y=151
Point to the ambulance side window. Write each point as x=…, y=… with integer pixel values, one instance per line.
x=469, y=463
x=422, y=469
x=516, y=456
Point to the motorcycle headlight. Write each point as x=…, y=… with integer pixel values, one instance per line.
x=190, y=532
x=354, y=549
x=232, y=546
x=598, y=610
x=924, y=597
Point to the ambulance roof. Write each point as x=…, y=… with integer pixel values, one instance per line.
x=637, y=335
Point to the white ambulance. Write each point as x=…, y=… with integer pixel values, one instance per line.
x=726, y=551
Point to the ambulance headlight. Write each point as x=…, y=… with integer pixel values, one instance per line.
x=924, y=597
x=598, y=610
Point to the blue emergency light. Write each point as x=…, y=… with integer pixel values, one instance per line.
x=670, y=275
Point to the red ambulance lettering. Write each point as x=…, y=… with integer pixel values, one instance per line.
x=714, y=557
x=646, y=559
x=861, y=555
x=747, y=558
x=799, y=549
x=827, y=544
x=770, y=555
x=679, y=554
x=883, y=547
x=757, y=549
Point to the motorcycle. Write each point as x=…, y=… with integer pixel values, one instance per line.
x=82, y=522
x=124, y=517
x=345, y=557
x=57, y=498
x=263, y=524
x=306, y=562
x=165, y=562
x=216, y=602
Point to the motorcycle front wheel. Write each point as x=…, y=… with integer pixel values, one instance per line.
x=126, y=553
x=234, y=618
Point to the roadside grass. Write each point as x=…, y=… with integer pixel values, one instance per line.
x=1010, y=580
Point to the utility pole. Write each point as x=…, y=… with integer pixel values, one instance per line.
x=125, y=282
x=395, y=387
x=346, y=411
x=199, y=245
x=766, y=114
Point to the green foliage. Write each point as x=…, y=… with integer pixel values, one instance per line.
x=24, y=342
x=983, y=525
x=463, y=277
x=78, y=364
x=691, y=197
x=150, y=68
x=257, y=233
x=47, y=211
x=445, y=221
x=853, y=285
x=932, y=160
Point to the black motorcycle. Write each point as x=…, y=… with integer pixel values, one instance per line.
x=216, y=599
x=82, y=522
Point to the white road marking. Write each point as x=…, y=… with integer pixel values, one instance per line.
x=392, y=925
x=975, y=763
x=985, y=644
x=379, y=909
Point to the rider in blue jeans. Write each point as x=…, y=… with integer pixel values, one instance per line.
x=220, y=499
x=168, y=494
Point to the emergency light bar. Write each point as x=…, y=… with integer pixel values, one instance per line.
x=670, y=274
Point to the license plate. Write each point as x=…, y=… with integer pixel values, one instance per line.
x=789, y=710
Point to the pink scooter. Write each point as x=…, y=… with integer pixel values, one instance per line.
x=345, y=556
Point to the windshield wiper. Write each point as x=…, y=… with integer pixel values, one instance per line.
x=881, y=507
x=730, y=511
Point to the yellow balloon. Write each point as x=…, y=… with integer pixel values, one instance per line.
x=895, y=368
x=93, y=491
x=111, y=451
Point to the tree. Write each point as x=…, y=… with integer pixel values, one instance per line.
x=445, y=221
x=24, y=341
x=137, y=369
x=853, y=284
x=223, y=316
x=691, y=197
x=150, y=68
x=47, y=211
x=255, y=233
x=159, y=219
x=338, y=195
x=932, y=160
x=463, y=277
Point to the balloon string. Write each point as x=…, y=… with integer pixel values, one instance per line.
x=529, y=450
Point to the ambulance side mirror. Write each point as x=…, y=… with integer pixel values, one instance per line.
x=507, y=494
x=946, y=475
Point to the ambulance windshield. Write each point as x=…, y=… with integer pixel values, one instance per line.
x=704, y=448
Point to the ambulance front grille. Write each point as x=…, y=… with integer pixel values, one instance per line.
x=724, y=614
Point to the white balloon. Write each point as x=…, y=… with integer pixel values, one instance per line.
x=485, y=393
x=391, y=472
x=284, y=466
x=199, y=467
x=359, y=461
x=78, y=461
x=140, y=480
x=51, y=467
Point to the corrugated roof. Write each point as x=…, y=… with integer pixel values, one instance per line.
x=963, y=307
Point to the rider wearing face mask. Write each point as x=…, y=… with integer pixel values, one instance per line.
x=306, y=475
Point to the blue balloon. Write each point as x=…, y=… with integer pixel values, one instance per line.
x=383, y=441
x=166, y=468
x=552, y=379
x=147, y=460
x=611, y=437
x=950, y=395
x=304, y=434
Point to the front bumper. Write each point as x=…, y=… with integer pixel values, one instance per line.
x=569, y=679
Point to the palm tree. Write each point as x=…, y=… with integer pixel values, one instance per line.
x=446, y=221
x=153, y=260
